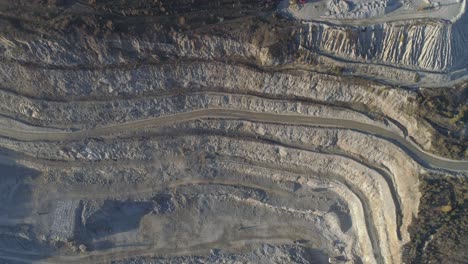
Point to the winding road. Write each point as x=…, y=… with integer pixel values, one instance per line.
x=425, y=158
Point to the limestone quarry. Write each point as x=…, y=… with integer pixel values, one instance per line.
x=196, y=131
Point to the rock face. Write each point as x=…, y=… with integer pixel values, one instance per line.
x=183, y=144
x=423, y=42
x=426, y=46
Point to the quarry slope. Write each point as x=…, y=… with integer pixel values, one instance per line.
x=405, y=41
x=159, y=133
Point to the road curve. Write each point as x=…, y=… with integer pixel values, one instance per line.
x=425, y=158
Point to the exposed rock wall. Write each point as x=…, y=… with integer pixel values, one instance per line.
x=261, y=182
x=133, y=77
x=428, y=46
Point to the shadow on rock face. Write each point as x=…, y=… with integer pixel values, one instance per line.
x=97, y=222
x=15, y=207
x=15, y=192
x=309, y=255
x=116, y=217
x=344, y=216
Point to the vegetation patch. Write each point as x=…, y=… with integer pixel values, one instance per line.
x=440, y=233
x=446, y=111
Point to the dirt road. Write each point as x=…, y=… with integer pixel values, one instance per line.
x=417, y=153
